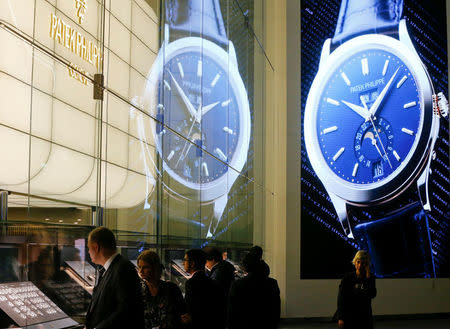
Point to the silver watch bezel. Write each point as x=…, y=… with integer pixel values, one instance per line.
x=412, y=165
x=205, y=192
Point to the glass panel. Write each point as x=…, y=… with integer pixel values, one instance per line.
x=171, y=159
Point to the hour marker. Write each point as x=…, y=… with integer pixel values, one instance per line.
x=228, y=130
x=199, y=68
x=216, y=78
x=338, y=154
x=171, y=154
x=385, y=67
x=365, y=66
x=396, y=155
x=407, y=131
x=180, y=67
x=332, y=101
x=355, y=169
x=220, y=154
x=329, y=130
x=167, y=85
x=409, y=105
x=225, y=103
x=401, y=81
x=205, y=169
x=344, y=76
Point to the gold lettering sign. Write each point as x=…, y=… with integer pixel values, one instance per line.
x=73, y=40
x=76, y=74
x=81, y=7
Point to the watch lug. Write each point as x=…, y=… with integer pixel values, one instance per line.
x=326, y=49
x=340, y=205
x=422, y=187
x=166, y=34
x=404, y=37
x=232, y=53
x=219, y=207
x=422, y=181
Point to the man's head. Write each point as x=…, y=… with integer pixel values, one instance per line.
x=194, y=260
x=101, y=245
x=251, y=262
x=257, y=250
x=213, y=256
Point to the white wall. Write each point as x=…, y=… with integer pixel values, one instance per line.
x=317, y=298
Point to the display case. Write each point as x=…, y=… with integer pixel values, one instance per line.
x=47, y=276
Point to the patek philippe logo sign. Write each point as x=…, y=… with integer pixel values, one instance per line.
x=69, y=37
x=367, y=85
x=81, y=7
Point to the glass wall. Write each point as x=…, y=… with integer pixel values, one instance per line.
x=144, y=116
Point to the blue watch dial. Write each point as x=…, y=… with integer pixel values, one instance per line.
x=197, y=101
x=369, y=117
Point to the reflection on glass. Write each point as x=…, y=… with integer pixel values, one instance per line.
x=197, y=95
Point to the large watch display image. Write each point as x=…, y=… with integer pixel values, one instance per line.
x=374, y=122
x=194, y=99
x=366, y=134
x=196, y=94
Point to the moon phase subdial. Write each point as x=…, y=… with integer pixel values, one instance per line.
x=372, y=142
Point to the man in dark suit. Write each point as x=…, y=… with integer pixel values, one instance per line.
x=116, y=301
x=203, y=296
x=222, y=272
x=254, y=301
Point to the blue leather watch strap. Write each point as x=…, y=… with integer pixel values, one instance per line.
x=201, y=18
x=357, y=17
x=399, y=243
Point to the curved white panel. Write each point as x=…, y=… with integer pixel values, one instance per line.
x=14, y=165
x=42, y=103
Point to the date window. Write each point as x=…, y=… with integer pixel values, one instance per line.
x=377, y=169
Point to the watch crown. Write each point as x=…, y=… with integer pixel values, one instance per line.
x=441, y=104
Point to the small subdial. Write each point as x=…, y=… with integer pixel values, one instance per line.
x=372, y=143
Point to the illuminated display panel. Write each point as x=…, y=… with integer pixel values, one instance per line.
x=363, y=163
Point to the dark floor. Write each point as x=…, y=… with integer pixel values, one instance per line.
x=380, y=324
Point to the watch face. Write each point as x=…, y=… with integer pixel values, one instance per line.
x=369, y=117
x=195, y=99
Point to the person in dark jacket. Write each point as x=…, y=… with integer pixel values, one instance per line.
x=263, y=267
x=116, y=300
x=219, y=270
x=203, y=295
x=222, y=272
x=163, y=302
x=254, y=301
x=356, y=291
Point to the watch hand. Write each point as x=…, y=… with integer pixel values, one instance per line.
x=185, y=99
x=376, y=104
x=376, y=132
x=374, y=143
x=182, y=154
x=207, y=108
x=358, y=109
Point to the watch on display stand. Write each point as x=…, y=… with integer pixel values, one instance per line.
x=371, y=122
x=195, y=89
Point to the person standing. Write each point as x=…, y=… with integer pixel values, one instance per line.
x=222, y=272
x=254, y=301
x=356, y=291
x=203, y=296
x=163, y=301
x=116, y=300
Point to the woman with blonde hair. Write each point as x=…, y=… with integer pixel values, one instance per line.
x=356, y=291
